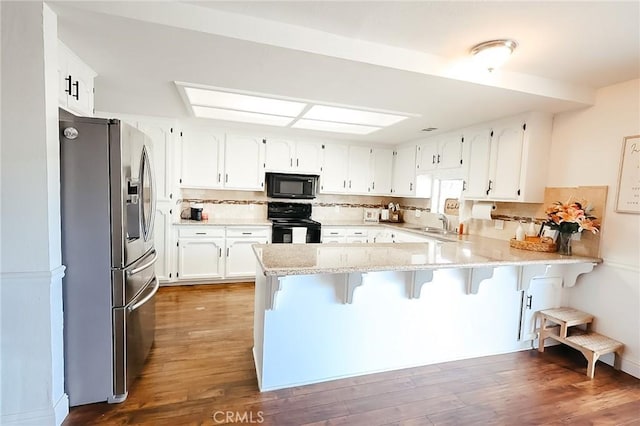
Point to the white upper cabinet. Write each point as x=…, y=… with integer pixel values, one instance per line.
x=212, y=159
x=75, y=83
x=450, y=151
x=335, y=169
x=404, y=171
x=293, y=156
x=479, y=145
x=382, y=170
x=507, y=141
x=359, y=170
x=308, y=158
x=427, y=156
x=202, y=160
x=279, y=155
x=354, y=169
x=439, y=152
x=161, y=135
x=508, y=159
x=244, y=162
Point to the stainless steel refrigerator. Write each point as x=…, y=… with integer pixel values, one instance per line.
x=108, y=209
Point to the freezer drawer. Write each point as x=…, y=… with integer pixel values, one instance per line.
x=127, y=283
x=133, y=335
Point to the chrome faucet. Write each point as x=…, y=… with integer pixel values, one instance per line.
x=445, y=222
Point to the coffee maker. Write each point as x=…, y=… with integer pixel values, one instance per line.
x=196, y=211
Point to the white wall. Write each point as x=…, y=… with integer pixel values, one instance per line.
x=31, y=337
x=586, y=150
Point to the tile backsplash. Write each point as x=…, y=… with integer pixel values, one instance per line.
x=247, y=205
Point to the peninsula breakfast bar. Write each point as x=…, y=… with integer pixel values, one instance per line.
x=329, y=311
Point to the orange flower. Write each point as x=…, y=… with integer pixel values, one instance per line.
x=590, y=225
x=572, y=213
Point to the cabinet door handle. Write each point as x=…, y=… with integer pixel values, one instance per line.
x=290, y=162
x=464, y=185
x=201, y=233
x=433, y=159
x=438, y=159
x=219, y=251
x=349, y=184
x=226, y=177
x=219, y=177
x=297, y=162
x=489, y=189
x=411, y=186
x=247, y=233
x=68, y=89
x=373, y=186
x=77, y=86
x=344, y=183
x=227, y=251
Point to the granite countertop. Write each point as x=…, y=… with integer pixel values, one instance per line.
x=226, y=222
x=467, y=252
x=342, y=222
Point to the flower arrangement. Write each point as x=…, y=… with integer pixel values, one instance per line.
x=571, y=217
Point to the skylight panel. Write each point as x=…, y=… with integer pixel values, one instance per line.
x=330, y=126
x=353, y=116
x=237, y=101
x=242, y=116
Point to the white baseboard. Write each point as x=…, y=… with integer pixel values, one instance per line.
x=61, y=409
x=53, y=416
x=628, y=365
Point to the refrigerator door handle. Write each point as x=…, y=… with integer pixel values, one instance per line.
x=145, y=266
x=147, y=297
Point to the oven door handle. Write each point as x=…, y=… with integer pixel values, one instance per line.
x=147, y=297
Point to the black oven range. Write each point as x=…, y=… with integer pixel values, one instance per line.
x=292, y=223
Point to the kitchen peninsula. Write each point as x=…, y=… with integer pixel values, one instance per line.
x=328, y=311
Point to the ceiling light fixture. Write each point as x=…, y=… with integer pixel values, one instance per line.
x=493, y=54
x=233, y=105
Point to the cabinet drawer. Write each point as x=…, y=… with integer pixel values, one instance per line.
x=247, y=231
x=201, y=231
x=332, y=232
x=357, y=232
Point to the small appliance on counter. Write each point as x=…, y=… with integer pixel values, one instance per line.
x=372, y=215
x=196, y=211
x=392, y=214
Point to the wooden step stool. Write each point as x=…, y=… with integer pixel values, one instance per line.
x=591, y=344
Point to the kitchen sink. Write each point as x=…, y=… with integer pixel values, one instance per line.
x=438, y=231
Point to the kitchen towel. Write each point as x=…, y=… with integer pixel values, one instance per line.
x=299, y=235
x=482, y=210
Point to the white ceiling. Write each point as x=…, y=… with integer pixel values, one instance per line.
x=397, y=56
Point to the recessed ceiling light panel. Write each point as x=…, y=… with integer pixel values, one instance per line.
x=242, y=116
x=330, y=126
x=237, y=101
x=353, y=116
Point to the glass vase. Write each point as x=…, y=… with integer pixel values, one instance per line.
x=564, y=243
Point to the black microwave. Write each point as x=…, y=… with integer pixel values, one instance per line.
x=285, y=185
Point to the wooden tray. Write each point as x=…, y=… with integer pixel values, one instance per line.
x=534, y=244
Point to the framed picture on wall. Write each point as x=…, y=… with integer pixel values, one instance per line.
x=628, y=195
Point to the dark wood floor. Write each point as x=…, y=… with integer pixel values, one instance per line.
x=201, y=372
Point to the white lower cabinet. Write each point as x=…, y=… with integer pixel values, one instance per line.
x=349, y=234
x=240, y=260
x=333, y=235
x=162, y=240
x=200, y=258
x=217, y=252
